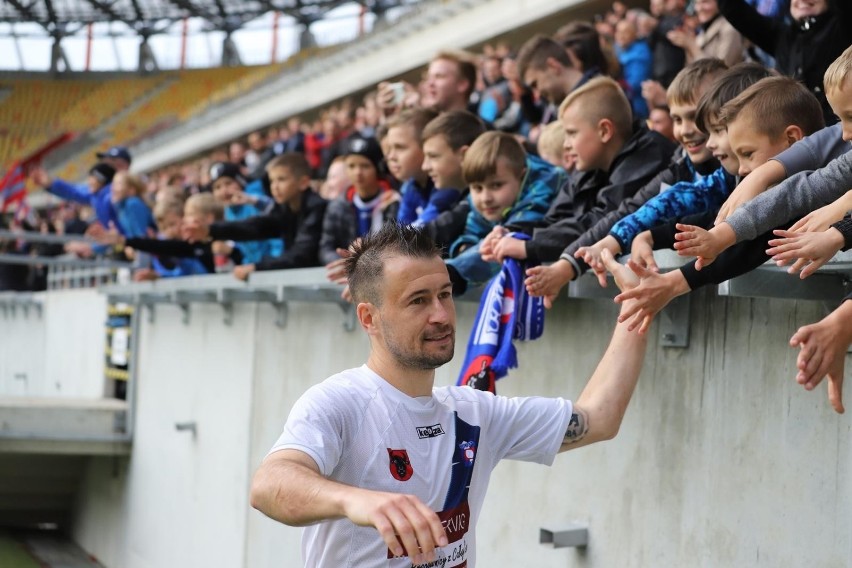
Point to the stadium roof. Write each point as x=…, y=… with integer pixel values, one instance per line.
x=149, y=17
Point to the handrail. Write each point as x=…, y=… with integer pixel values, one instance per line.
x=277, y=288
x=50, y=238
x=60, y=261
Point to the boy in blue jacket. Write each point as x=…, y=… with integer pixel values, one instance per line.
x=506, y=186
x=243, y=200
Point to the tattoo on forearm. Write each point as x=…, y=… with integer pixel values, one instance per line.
x=577, y=427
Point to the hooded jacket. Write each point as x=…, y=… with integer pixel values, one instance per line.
x=588, y=196
x=538, y=189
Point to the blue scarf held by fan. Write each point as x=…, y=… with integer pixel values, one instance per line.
x=506, y=312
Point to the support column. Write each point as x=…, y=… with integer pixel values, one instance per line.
x=147, y=61
x=57, y=56
x=230, y=53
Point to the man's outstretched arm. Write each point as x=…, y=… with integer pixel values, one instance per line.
x=600, y=409
x=289, y=488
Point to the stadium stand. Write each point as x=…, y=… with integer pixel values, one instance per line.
x=118, y=110
x=189, y=382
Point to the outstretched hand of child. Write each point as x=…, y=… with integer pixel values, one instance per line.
x=822, y=352
x=819, y=219
x=103, y=236
x=642, y=251
x=696, y=241
x=809, y=251
x=591, y=255
x=547, y=281
x=486, y=247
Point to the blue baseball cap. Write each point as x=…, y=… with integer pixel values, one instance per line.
x=116, y=152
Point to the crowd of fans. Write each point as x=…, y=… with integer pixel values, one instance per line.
x=637, y=131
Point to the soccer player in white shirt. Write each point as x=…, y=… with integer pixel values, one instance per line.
x=386, y=470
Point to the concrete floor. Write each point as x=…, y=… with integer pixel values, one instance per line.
x=41, y=549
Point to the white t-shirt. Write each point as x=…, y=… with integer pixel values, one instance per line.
x=362, y=431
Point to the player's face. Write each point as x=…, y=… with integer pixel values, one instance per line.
x=417, y=318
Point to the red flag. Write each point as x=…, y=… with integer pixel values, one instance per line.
x=13, y=186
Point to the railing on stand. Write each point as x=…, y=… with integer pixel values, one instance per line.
x=66, y=271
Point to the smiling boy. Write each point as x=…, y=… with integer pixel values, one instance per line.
x=506, y=186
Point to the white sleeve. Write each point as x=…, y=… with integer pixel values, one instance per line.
x=316, y=426
x=528, y=429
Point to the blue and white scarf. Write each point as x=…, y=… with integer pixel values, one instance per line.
x=506, y=312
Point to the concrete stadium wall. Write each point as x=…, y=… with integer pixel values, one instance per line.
x=57, y=351
x=722, y=459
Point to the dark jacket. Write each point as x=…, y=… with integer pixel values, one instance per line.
x=300, y=232
x=680, y=168
x=340, y=226
x=174, y=257
x=735, y=261
x=668, y=58
x=802, y=50
x=449, y=225
x=588, y=197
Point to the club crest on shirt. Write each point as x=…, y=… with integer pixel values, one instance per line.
x=400, y=465
x=432, y=431
x=468, y=452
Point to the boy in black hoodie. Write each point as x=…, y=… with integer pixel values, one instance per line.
x=614, y=158
x=296, y=219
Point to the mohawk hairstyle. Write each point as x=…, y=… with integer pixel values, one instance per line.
x=365, y=265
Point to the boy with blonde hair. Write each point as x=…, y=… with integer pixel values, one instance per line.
x=506, y=186
x=762, y=121
x=795, y=197
x=614, y=158
x=692, y=163
x=172, y=257
x=549, y=146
